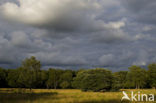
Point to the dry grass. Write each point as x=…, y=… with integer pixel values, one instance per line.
x=62, y=96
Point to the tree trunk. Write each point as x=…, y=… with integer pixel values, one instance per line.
x=55, y=85
x=138, y=86
x=47, y=86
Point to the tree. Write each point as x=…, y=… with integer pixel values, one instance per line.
x=136, y=77
x=12, y=78
x=53, y=78
x=43, y=78
x=94, y=80
x=3, y=76
x=119, y=79
x=29, y=75
x=31, y=64
x=66, y=79
x=152, y=74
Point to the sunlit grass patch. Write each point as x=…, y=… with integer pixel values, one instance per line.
x=64, y=96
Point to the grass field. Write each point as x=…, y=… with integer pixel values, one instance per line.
x=63, y=96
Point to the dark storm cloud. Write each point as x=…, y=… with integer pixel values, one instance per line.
x=142, y=10
x=60, y=15
x=78, y=34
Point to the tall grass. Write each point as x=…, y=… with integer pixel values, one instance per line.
x=62, y=96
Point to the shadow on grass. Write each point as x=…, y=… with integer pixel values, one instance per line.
x=23, y=97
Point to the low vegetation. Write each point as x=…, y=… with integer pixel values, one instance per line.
x=64, y=96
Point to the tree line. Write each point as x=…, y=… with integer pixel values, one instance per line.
x=30, y=75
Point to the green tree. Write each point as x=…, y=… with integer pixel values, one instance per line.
x=54, y=78
x=66, y=79
x=94, y=80
x=3, y=76
x=136, y=77
x=43, y=78
x=12, y=78
x=152, y=74
x=119, y=79
x=29, y=75
x=31, y=64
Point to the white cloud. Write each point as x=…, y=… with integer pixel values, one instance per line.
x=116, y=25
x=55, y=14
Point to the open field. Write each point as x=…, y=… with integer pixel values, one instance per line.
x=63, y=96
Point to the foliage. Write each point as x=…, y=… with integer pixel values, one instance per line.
x=119, y=80
x=64, y=85
x=30, y=75
x=54, y=78
x=94, y=80
x=12, y=78
x=136, y=77
x=152, y=74
x=66, y=79
x=3, y=76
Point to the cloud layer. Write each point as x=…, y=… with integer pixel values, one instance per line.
x=78, y=34
x=65, y=15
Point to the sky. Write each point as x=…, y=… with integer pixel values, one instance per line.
x=74, y=34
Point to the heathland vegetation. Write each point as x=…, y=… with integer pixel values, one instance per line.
x=30, y=75
x=8, y=95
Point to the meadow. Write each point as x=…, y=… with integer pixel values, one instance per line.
x=64, y=96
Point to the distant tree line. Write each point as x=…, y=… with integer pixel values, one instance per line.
x=30, y=75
